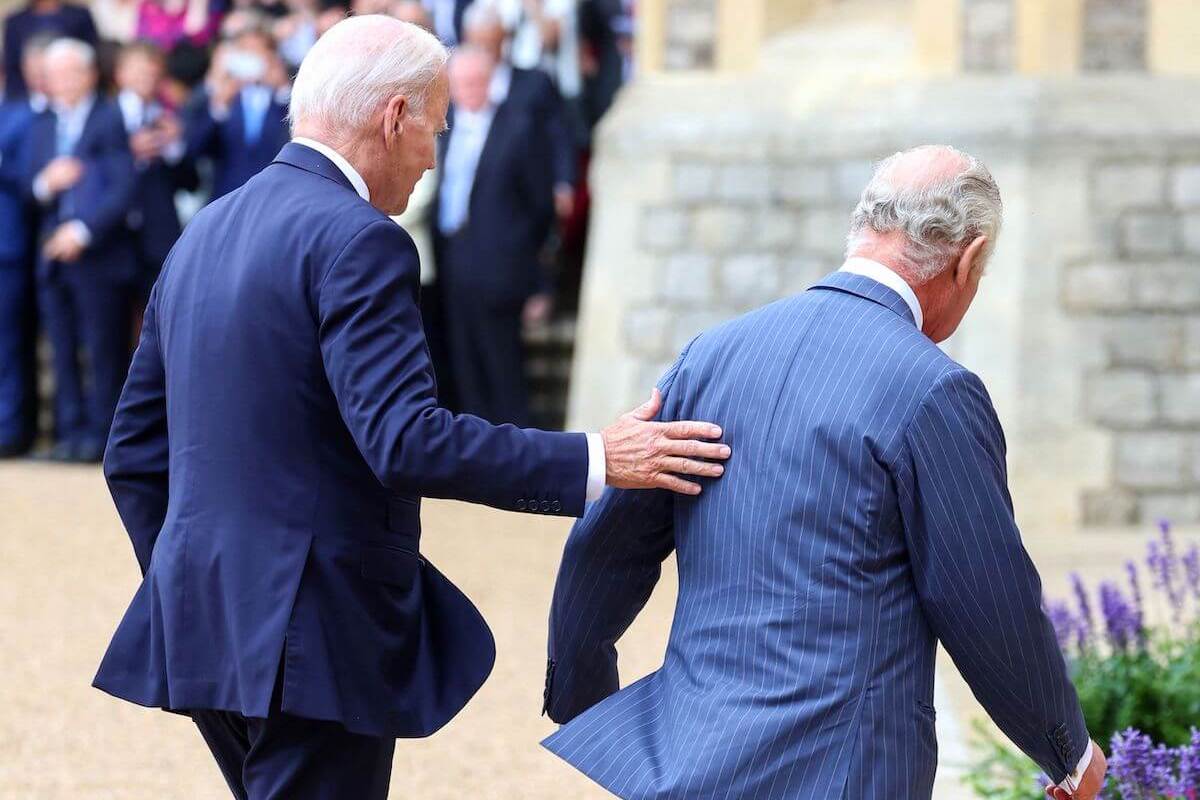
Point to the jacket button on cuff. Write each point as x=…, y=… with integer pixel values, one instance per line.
x=521, y=505
x=556, y=506
x=546, y=506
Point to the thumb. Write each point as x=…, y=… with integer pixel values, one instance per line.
x=649, y=410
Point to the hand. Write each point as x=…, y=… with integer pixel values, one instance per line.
x=1090, y=784
x=222, y=87
x=61, y=174
x=564, y=201
x=641, y=454
x=537, y=309
x=145, y=144
x=63, y=244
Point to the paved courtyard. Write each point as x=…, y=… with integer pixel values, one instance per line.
x=67, y=571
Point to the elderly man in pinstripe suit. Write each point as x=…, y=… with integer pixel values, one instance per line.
x=867, y=519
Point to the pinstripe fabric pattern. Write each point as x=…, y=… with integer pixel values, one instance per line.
x=864, y=517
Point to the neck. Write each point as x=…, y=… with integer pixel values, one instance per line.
x=361, y=155
x=45, y=6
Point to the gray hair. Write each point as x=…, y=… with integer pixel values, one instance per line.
x=938, y=217
x=361, y=63
x=71, y=47
x=481, y=14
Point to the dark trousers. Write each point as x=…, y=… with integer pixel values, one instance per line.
x=16, y=389
x=87, y=320
x=290, y=758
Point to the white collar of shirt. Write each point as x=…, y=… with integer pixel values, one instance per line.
x=341, y=163
x=38, y=102
x=500, y=84
x=881, y=274
x=133, y=108
x=77, y=115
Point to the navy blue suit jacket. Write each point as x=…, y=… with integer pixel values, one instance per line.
x=865, y=517
x=269, y=454
x=16, y=119
x=101, y=199
x=533, y=92
x=510, y=213
x=234, y=161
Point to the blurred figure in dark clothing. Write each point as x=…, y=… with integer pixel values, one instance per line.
x=447, y=19
x=159, y=156
x=493, y=213
x=239, y=120
x=606, y=54
x=82, y=176
x=41, y=18
x=530, y=92
x=17, y=390
x=33, y=74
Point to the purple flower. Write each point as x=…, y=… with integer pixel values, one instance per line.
x=1189, y=766
x=1141, y=769
x=1164, y=567
x=1121, y=621
x=1063, y=622
x=1135, y=588
x=1191, y=567
x=1085, y=624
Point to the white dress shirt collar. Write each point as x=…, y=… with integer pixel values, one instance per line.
x=500, y=84
x=881, y=274
x=340, y=162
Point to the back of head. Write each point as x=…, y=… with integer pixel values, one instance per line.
x=357, y=66
x=938, y=198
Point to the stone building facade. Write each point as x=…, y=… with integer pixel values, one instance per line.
x=717, y=193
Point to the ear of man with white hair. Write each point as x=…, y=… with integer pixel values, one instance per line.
x=931, y=215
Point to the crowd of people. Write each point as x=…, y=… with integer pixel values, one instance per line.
x=120, y=121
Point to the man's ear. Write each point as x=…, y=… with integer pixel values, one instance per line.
x=971, y=259
x=393, y=119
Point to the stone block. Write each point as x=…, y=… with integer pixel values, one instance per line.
x=775, y=229
x=1156, y=342
x=720, y=228
x=663, y=229
x=750, y=279
x=1098, y=287
x=748, y=182
x=1114, y=34
x=1121, y=185
x=805, y=184
x=1189, y=233
x=691, y=324
x=824, y=231
x=1185, y=186
x=1191, y=342
x=648, y=331
x=1149, y=233
x=801, y=272
x=687, y=278
x=1179, y=508
x=693, y=180
x=1109, y=507
x=1180, y=398
x=1174, y=286
x=1120, y=399
x=1153, y=459
x=850, y=178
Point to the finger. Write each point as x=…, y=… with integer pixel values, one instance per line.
x=677, y=485
x=687, y=466
x=649, y=410
x=692, y=430
x=690, y=448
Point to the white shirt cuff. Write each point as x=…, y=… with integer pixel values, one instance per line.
x=41, y=191
x=81, y=232
x=173, y=153
x=1071, y=782
x=597, y=468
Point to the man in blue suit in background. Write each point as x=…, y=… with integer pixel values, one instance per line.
x=81, y=174
x=239, y=122
x=279, y=428
x=867, y=519
x=16, y=278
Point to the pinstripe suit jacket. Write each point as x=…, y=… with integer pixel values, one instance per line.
x=864, y=517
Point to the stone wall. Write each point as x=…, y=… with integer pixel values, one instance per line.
x=1114, y=34
x=987, y=36
x=1140, y=290
x=691, y=31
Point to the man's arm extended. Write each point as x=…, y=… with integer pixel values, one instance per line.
x=377, y=362
x=611, y=564
x=979, y=590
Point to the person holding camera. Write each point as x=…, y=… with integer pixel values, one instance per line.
x=239, y=121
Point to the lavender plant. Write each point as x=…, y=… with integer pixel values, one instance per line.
x=1139, y=685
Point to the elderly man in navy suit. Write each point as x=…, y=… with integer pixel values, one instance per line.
x=279, y=428
x=81, y=175
x=239, y=122
x=867, y=519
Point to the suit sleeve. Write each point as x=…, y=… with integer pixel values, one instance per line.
x=979, y=590
x=199, y=128
x=612, y=561
x=136, y=459
x=377, y=362
x=120, y=183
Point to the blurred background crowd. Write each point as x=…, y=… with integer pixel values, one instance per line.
x=122, y=119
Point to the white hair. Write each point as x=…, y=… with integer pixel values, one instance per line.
x=358, y=65
x=71, y=47
x=938, y=217
x=481, y=14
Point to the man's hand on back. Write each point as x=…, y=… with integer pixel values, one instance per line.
x=1091, y=782
x=642, y=454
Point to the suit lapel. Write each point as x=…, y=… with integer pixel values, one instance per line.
x=497, y=132
x=868, y=289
